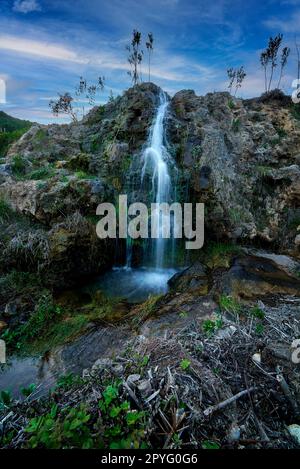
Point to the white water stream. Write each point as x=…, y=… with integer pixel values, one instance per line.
x=156, y=158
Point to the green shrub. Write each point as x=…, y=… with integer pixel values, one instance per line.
x=7, y=138
x=67, y=381
x=124, y=428
x=295, y=111
x=214, y=249
x=41, y=173
x=46, y=312
x=84, y=175
x=209, y=326
x=5, y=210
x=257, y=313
x=220, y=254
x=15, y=283
x=294, y=223
x=185, y=364
x=229, y=304
x=264, y=170
x=29, y=390
x=18, y=166
x=5, y=398
x=54, y=431
x=259, y=329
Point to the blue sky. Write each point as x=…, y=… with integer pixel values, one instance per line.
x=45, y=45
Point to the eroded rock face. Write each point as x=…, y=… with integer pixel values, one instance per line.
x=67, y=253
x=242, y=160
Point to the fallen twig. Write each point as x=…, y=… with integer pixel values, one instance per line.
x=210, y=410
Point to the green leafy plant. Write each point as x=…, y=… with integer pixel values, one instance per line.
x=185, y=364
x=29, y=390
x=229, y=304
x=67, y=381
x=18, y=166
x=220, y=254
x=183, y=314
x=5, y=398
x=41, y=173
x=281, y=133
x=84, y=175
x=259, y=329
x=257, y=312
x=124, y=427
x=264, y=170
x=5, y=210
x=10, y=136
x=66, y=430
x=46, y=312
x=208, y=444
x=295, y=111
x=210, y=326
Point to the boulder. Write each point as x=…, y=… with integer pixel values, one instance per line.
x=252, y=277
x=193, y=279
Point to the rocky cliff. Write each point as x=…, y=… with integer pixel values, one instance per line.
x=239, y=157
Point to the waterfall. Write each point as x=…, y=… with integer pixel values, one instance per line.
x=152, y=180
x=155, y=160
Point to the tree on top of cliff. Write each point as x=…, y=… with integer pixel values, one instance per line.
x=149, y=45
x=236, y=77
x=83, y=92
x=269, y=59
x=135, y=57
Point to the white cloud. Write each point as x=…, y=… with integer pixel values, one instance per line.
x=41, y=49
x=26, y=6
x=174, y=68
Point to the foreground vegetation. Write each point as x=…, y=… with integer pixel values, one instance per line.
x=217, y=384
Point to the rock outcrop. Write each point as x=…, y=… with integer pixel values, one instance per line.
x=241, y=158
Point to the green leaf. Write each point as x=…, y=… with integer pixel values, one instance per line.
x=207, y=444
x=185, y=364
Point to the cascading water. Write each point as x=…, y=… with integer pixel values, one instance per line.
x=156, y=158
x=154, y=186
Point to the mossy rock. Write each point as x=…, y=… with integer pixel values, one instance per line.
x=78, y=162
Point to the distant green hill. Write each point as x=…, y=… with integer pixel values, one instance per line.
x=9, y=123
x=11, y=129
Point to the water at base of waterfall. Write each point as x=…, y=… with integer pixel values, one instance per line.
x=134, y=285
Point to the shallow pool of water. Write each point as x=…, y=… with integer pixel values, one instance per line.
x=135, y=285
x=22, y=371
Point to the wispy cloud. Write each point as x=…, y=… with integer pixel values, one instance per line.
x=26, y=6
x=288, y=25
x=40, y=49
x=167, y=67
